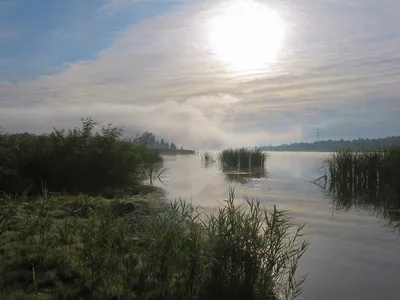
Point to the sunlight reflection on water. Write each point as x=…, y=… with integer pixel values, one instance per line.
x=344, y=247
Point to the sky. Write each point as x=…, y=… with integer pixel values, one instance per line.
x=203, y=73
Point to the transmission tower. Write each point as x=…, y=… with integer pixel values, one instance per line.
x=318, y=134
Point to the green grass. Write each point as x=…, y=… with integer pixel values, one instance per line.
x=92, y=159
x=242, y=158
x=62, y=247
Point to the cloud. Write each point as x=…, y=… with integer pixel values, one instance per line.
x=159, y=75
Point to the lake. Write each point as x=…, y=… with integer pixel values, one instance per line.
x=352, y=254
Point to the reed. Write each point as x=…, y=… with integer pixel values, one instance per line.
x=365, y=169
x=242, y=158
x=368, y=180
x=92, y=159
x=61, y=247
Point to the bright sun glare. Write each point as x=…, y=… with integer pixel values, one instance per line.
x=246, y=36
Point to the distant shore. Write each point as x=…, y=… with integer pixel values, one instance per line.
x=164, y=151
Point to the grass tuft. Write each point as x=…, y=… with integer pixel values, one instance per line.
x=242, y=158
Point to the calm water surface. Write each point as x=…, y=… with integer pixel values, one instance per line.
x=352, y=254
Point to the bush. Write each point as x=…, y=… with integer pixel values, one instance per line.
x=80, y=160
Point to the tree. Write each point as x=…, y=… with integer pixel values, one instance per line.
x=146, y=139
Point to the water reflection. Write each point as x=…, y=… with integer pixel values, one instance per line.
x=243, y=176
x=380, y=201
x=244, y=171
x=364, y=181
x=344, y=247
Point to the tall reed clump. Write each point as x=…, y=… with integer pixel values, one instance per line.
x=370, y=170
x=92, y=159
x=366, y=180
x=93, y=248
x=242, y=158
x=235, y=253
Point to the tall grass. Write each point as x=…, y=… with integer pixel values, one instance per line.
x=366, y=180
x=91, y=159
x=92, y=248
x=242, y=158
x=365, y=170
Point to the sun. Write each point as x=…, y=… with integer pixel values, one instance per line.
x=245, y=36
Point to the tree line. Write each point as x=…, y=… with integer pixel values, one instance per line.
x=149, y=139
x=331, y=145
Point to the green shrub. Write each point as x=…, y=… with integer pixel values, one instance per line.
x=81, y=160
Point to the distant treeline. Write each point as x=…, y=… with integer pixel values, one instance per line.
x=149, y=139
x=330, y=145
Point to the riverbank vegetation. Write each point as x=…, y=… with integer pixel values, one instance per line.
x=81, y=247
x=76, y=222
x=91, y=159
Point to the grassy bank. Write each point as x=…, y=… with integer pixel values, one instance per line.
x=95, y=232
x=242, y=158
x=138, y=248
x=91, y=159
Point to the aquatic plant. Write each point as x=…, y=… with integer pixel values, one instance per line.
x=365, y=169
x=242, y=158
x=368, y=180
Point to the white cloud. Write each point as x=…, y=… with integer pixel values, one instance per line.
x=159, y=76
